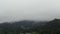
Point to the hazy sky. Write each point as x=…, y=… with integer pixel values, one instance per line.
x=14, y=10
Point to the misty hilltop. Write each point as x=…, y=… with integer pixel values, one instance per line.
x=15, y=10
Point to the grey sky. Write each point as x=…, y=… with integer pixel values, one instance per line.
x=14, y=10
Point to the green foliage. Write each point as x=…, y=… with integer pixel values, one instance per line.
x=34, y=33
x=51, y=27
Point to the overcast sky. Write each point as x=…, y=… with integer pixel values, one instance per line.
x=14, y=10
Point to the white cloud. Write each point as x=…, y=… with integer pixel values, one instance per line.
x=11, y=10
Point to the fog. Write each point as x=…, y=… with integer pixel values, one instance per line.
x=15, y=10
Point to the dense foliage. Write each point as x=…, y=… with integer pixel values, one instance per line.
x=45, y=27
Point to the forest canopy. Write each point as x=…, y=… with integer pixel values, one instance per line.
x=44, y=27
